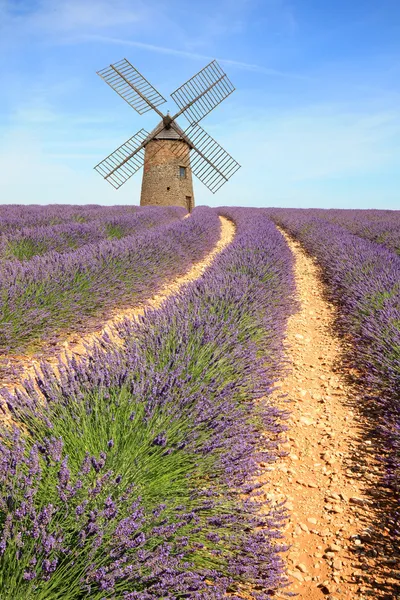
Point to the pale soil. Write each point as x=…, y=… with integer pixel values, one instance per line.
x=329, y=464
x=338, y=538
x=80, y=345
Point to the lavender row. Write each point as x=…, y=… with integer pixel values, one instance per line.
x=15, y=216
x=24, y=243
x=364, y=279
x=141, y=483
x=56, y=291
x=383, y=230
x=380, y=226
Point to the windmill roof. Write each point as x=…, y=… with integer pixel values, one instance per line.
x=166, y=134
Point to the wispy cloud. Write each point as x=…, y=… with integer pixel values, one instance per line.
x=321, y=142
x=30, y=174
x=50, y=21
x=72, y=15
x=192, y=55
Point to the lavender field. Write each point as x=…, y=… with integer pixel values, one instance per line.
x=118, y=259
x=132, y=471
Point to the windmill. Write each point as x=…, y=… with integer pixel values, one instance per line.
x=170, y=154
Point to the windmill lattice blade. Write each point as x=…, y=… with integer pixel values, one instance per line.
x=208, y=161
x=203, y=92
x=119, y=166
x=120, y=75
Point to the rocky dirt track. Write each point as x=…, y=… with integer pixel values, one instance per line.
x=329, y=468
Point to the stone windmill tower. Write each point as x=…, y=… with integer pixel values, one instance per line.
x=169, y=154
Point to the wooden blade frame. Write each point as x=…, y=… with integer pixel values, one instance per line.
x=121, y=164
x=196, y=98
x=209, y=161
x=202, y=93
x=132, y=86
x=126, y=160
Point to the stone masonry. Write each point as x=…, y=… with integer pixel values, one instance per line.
x=167, y=179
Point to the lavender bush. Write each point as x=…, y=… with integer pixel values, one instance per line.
x=16, y=216
x=380, y=226
x=171, y=423
x=27, y=242
x=83, y=535
x=55, y=291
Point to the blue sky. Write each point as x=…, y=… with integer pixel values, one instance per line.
x=314, y=121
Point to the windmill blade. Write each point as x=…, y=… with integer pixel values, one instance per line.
x=132, y=86
x=121, y=164
x=208, y=160
x=202, y=93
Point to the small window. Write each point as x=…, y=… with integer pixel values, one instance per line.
x=182, y=172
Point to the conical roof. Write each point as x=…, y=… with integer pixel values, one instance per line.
x=166, y=134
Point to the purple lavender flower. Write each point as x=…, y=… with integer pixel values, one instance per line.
x=192, y=371
x=160, y=439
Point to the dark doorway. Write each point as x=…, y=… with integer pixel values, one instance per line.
x=189, y=203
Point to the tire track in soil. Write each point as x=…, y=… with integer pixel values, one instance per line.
x=327, y=497
x=80, y=345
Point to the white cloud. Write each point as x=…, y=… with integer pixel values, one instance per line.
x=101, y=14
x=316, y=143
x=77, y=21
x=316, y=156
x=187, y=54
x=30, y=175
x=55, y=17
x=22, y=155
x=33, y=114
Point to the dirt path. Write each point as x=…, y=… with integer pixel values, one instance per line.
x=328, y=504
x=73, y=344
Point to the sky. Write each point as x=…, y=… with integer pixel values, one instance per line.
x=314, y=120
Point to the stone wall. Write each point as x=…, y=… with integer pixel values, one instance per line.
x=163, y=184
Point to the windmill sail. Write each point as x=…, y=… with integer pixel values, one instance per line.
x=119, y=166
x=202, y=93
x=195, y=99
x=208, y=160
x=131, y=86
